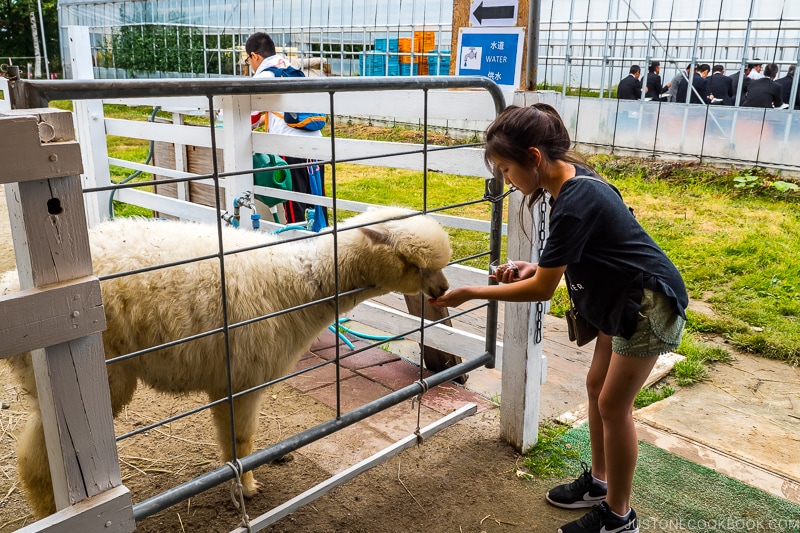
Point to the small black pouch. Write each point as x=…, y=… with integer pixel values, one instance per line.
x=578, y=329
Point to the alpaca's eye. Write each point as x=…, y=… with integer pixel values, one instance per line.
x=412, y=264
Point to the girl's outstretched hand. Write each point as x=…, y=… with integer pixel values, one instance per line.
x=453, y=298
x=514, y=271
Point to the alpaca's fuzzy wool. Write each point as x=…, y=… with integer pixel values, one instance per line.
x=163, y=305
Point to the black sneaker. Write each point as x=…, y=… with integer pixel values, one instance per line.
x=583, y=492
x=601, y=520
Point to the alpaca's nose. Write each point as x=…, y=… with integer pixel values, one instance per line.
x=440, y=289
x=434, y=283
x=444, y=287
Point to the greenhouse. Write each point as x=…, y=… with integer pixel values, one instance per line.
x=582, y=43
x=157, y=38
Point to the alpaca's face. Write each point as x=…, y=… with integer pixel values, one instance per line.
x=412, y=279
x=407, y=255
x=422, y=249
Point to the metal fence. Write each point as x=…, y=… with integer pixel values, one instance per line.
x=39, y=93
x=590, y=44
x=162, y=38
x=585, y=48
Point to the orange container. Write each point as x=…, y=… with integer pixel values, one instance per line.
x=424, y=42
x=404, y=49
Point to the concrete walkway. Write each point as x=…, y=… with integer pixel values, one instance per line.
x=743, y=422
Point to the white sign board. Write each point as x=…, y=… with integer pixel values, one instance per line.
x=493, y=13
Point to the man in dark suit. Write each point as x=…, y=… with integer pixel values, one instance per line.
x=654, y=88
x=764, y=92
x=720, y=86
x=630, y=88
x=786, y=87
x=699, y=90
x=745, y=83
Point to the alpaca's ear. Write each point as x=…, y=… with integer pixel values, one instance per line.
x=377, y=237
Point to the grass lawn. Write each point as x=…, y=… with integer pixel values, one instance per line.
x=736, y=247
x=737, y=250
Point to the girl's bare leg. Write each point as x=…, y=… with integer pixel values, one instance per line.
x=595, y=380
x=624, y=378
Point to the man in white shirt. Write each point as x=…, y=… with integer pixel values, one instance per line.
x=261, y=55
x=755, y=70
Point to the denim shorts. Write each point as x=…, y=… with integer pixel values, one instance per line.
x=658, y=330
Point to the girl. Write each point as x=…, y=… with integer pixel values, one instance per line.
x=618, y=279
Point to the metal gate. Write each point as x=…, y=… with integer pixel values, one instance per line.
x=37, y=94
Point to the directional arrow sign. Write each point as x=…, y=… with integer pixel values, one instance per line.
x=494, y=12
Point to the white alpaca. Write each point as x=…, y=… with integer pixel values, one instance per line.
x=159, y=306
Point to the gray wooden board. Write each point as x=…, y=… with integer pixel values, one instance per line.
x=60, y=249
x=54, y=125
x=73, y=391
x=44, y=316
x=109, y=512
x=52, y=245
x=25, y=158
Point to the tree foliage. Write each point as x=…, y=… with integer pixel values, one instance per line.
x=158, y=48
x=16, y=38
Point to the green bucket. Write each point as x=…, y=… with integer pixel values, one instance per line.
x=274, y=178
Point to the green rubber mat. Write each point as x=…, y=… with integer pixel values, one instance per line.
x=671, y=493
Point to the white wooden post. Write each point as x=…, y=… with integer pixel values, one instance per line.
x=5, y=96
x=45, y=203
x=524, y=365
x=237, y=145
x=180, y=160
x=91, y=129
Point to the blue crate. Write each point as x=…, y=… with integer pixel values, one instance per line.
x=384, y=63
x=386, y=45
x=372, y=64
x=439, y=65
x=408, y=69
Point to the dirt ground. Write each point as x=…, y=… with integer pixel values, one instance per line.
x=463, y=479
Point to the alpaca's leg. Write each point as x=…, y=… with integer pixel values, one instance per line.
x=122, y=383
x=33, y=467
x=245, y=414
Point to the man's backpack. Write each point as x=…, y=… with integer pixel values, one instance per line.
x=301, y=121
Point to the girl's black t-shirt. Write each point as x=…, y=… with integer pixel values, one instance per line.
x=610, y=258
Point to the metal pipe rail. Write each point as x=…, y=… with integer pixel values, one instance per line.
x=224, y=473
x=38, y=93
